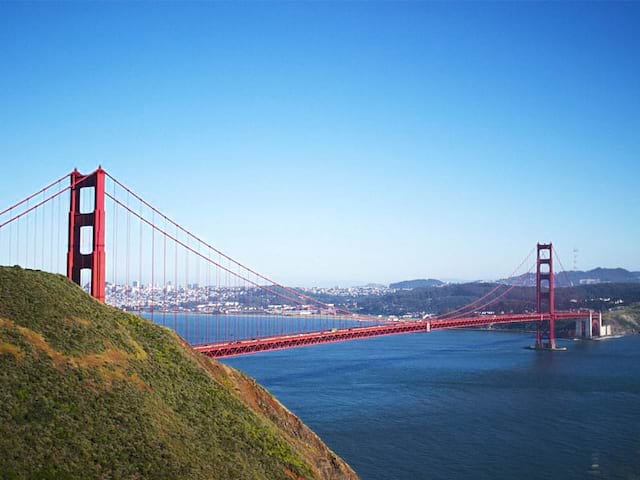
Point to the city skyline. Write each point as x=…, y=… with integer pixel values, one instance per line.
x=342, y=144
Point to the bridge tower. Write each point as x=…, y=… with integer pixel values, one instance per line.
x=545, y=293
x=94, y=220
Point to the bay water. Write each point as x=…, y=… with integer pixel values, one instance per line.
x=465, y=404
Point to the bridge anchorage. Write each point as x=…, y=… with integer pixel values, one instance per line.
x=217, y=304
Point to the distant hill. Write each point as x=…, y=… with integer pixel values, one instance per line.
x=87, y=391
x=418, y=283
x=578, y=277
x=445, y=298
x=562, y=279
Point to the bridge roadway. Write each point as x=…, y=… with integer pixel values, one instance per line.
x=263, y=344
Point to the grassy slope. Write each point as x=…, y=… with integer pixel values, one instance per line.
x=87, y=391
x=624, y=320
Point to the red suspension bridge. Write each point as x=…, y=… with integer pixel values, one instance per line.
x=103, y=235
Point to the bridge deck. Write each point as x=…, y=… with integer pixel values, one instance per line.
x=243, y=347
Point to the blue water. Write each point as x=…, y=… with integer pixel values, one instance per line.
x=465, y=405
x=210, y=328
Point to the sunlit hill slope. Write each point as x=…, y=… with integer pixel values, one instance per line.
x=87, y=391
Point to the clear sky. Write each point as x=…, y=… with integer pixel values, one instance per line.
x=347, y=142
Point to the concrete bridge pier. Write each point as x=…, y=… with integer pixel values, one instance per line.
x=592, y=327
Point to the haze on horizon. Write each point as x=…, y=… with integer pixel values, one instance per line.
x=342, y=143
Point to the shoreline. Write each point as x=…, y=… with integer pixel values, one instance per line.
x=597, y=339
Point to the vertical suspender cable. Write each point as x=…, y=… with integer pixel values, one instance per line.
x=164, y=277
x=51, y=257
x=114, y=244
x=18, y=241
x=58, y=222
x=128, y=255
x=227, y=333
x=153, y=261
x=197, y=292
x=26, y=250
x=140, y=263
x=244, y=310
x=35, y=239
x=208, y=311
x=186, y=315
x=44, y=209
x=175, y=287
x=218, y=301
x=10, y=237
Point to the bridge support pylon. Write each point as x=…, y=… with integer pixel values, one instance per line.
x=93, y=219
x=545, y=301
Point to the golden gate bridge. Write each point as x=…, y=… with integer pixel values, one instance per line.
x=101, y=234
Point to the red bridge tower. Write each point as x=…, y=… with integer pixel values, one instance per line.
x=545, y=293
x=94, y=260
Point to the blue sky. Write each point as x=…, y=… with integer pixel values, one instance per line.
x=347, y=142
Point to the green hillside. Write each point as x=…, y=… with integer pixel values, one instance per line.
x=87, y=391
x=624, y=320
